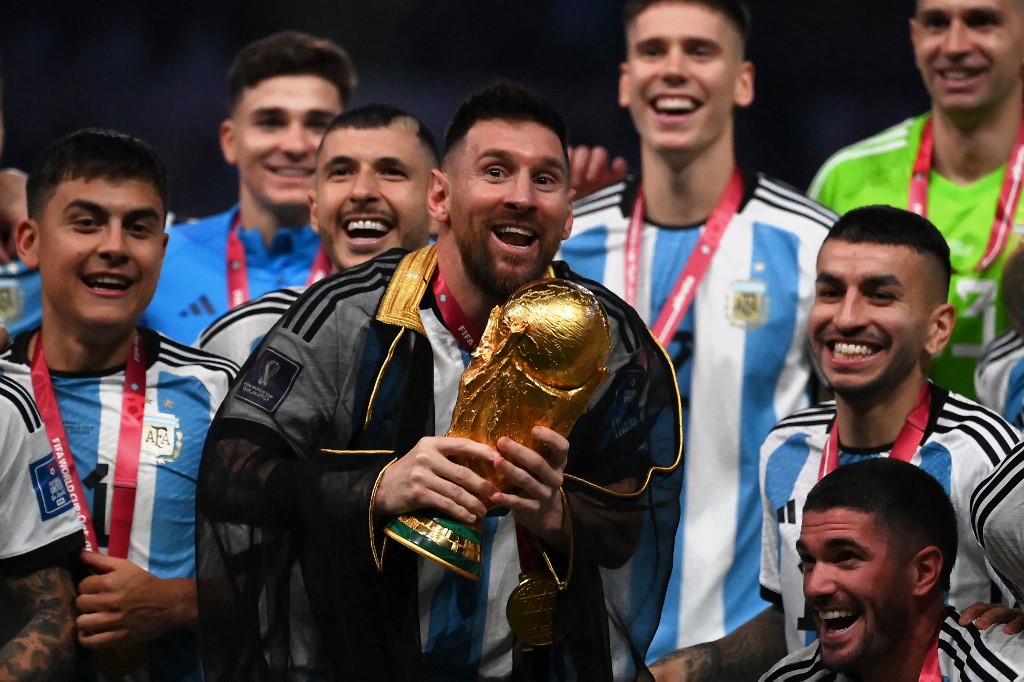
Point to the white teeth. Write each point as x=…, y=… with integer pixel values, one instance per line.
x=829, y=615
x=108, y=281
x=851, y=350
x=294, y=172
x=512, y=229
x=372, y=225
x=956, y=75
x=675, y=104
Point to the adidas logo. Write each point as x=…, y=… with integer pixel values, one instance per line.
x=201, y=306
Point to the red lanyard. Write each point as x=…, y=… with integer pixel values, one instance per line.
x=129, y=446
x=931, y=672
x=903, y=449
x=1009, y=195
x=696, y=266
x=238, y=267
x=464, y=331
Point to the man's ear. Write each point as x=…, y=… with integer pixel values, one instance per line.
x=27, y=241
x=439, y=196
x=227, y=140
x=927, y=567
x=943, y=319
x=313, y=222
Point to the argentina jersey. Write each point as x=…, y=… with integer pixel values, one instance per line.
x=741, y=362
x=184, y=388
x=235, y=334
x=963, y=443
x=21, y=304
x=999, y=377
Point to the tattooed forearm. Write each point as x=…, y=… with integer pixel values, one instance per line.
x=745, y=654
x=43, y=648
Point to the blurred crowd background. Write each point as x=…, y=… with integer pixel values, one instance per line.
x=829, y=72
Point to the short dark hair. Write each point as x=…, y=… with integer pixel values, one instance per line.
x=895, y=227
x=290, y=53
x=736, y=11
x=372, y=116
x=909, y=502
x=505, y=101
x=93, y=153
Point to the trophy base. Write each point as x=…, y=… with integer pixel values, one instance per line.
x=454, y=545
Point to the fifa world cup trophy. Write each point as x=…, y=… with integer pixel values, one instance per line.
x=540, y=360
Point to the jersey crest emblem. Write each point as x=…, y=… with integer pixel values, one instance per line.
x=161, y=437
x=12, y=301
x=747, y=303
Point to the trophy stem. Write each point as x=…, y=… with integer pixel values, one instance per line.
x=454, y=545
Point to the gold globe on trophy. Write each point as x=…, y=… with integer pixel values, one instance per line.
x=540, y=360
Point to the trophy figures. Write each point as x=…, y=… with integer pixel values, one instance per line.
x=540, y=360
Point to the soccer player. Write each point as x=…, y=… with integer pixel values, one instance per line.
x=367, y=364
x=720, y=264
x=39, y=535
x=959, y=164
x=997, y=516
x=20, y=306
x=283, y=91
x=372, y=173
x=880, y=313
x=877, y=546
x=125, y=409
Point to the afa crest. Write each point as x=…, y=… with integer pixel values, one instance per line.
x=161, y=437
x=12, y=301
x=747, y=303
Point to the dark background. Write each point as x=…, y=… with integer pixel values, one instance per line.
x=829, y=72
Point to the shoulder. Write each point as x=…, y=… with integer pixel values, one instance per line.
x=358, y=288
x=178, y=358
x=608, y=207
x=813, y=418
x=271, y=305
x=974, y=424
x=1008, y=345
x=867, y=153
x=989, y=654
x=202, y=233
x=782, y=206
x=18, y=405
x=803, y=665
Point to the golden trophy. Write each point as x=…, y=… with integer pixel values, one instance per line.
x=540, y=360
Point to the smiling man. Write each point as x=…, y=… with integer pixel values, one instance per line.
x=125, y=409
x=877, y=546
x=367, y=364
x=880, y=313
x=283, y=92
x=720, y=264
x=373, y=169
x=959, y=164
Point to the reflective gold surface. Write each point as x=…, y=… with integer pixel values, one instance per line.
x=540, y=360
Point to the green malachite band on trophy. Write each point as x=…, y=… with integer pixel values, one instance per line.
x=459, y=552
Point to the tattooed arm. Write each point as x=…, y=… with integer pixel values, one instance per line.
x=744, y=654
x=43, y=648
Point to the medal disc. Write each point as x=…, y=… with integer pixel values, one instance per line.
x=533, y=611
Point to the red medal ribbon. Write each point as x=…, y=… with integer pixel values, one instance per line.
x=903, y=449
x=464, y=331
x=238, y=267
x=931, y=672
x=529, y=554
x=696, y=267
x=129, y=446
x=1009, y=194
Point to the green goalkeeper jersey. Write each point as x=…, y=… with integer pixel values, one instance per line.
x=877, y=171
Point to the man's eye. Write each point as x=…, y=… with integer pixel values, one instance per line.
x=339, y=172
x=495, y=172
x=394, y=173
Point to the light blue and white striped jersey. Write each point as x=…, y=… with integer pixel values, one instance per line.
x=184, y=388
x=742, y=363
x=21, y=299
x=38, y=523
x=962, y=444
x=999, y=376
x=236, y=333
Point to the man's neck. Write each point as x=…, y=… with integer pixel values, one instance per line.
x=905, y=662
x=969, y=148
x=475, y=304
x=684, y=191
x=877, y=420
x=72, y=353
x=254, y=216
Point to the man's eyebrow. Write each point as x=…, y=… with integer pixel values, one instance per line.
x=871, y=281
x=85, y=205
x=503, y=155
x=141, y=214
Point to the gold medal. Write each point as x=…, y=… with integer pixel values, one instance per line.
x=121, y=659
x=532, y=611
